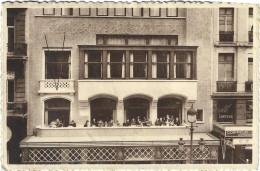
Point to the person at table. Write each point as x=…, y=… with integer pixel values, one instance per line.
x=144, y=121
x=168, y=120
x=86, y=123
x=161, y=122
x=177, y=121
x=133, y=122
x=157, y=122
x=100, y=123
x=105, y=124
x=58, y=123
x=93, y=123
x=126, y=123
x=116, y=123
x=72, y=124
x=110, y=123
x=148, y=123
x=138, y=122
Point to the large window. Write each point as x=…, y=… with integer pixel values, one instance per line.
x=226, y=67
x=182, y=65
x=116, y=64
x=226, y=22
x=250, y=69
x=135, y=107
x=57, y=65
x=138, y=64
x=57, y=108
x=103, y=109
x=93, y=64
x=160, y=67
x=225, y=110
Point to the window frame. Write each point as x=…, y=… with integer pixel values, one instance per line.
x=71, y=12
x=167, y=13
x=48, y=14
x=145, y=63
x=156, y=15
x=122, y=64
x=101, y=65
x=202, y=113
x=233, y=66
x=168, y=63
x=183, y=63
x=88, y=12
x=102, y=14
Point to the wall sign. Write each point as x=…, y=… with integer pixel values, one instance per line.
x=239, y=133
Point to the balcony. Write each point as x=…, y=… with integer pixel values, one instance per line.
x=226, y=86
x=250, y=36
x=57, y=86
x=17, y=49
x=249, y=86
x=226, y=36
x=16, y=108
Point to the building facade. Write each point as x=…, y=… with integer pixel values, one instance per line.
x=128, y=63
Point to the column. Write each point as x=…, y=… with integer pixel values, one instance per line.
x=84, y=109
x=153, y=113
x=120, y=112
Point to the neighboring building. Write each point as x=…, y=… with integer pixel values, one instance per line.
x=233, y=82
x=119, y=63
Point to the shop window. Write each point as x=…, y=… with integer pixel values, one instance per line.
x=226, y=24
x=160, y=64
x=57, y=108
x=67, y=11
x=48, y=11
x=137, y=12
x=225, y=111
x=57, y=65
x=171, y=107
x=84, y=11
x=249, y=111
x=135, y=107
x=120, y=11
x=102, y=11
x=182, y=65
x=138, y=64
x=116, y=64
x=93, y=64
x=155, y=12
x=250, y=69
x=226, y=67
x=172, y=12
x=200, y=115
x=103, y=109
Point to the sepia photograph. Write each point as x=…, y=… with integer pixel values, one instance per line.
x=125, y=85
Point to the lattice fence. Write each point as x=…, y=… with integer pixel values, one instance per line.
x=163, y=155
x=52, y=84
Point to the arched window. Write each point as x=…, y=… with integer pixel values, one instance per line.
x=136, y=107
x=103, y=109
x=169, y=106
x=57, y=108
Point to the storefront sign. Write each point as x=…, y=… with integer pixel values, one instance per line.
x=225, y=111
x=239, y=133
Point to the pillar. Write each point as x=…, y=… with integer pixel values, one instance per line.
x=120, y=112
x=240, y=115
x=153, y=113
x=84, y=109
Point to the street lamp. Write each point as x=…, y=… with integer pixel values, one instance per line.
x=192, y=117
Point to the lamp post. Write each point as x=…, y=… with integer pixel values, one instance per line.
x=192, y=117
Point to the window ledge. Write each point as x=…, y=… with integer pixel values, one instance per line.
x=127, y=17
x=131, y=80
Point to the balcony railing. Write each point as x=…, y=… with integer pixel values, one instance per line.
x=226, y=36
x=249, y=86
x=250, y=36
x=57, y=86
x=17, y=49
x=14, y=108
x=226, y=86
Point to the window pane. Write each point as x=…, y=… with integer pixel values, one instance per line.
x=140, y=56
x=94, y=56
x=48, y=11
x=116, y=70
x=94, y=70
x=10, y=35
x=172, y=12
x=102, y=11
x=137, y=12
x=139, y=70
x=66, y=11
x=162, y=70
x=221, y=72
x=116, y=56
x=250, y=69
x=84, y=11
x=10, y=91
x=120, y=11
x=154, y=12
x=116, y=59
x=10, y=21
x=225, y=110
x=200, y=115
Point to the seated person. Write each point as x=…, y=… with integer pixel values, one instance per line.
x=116, y=123
x=86, y=124
x=168, y=120
x=177, y=121
x=73, y=124
x=148, y=123
x=105, y=124
x=133, y=122
x=110, y=123
x=144, y=121
x=100, y=123
x=138, y=122
x=58, y=123
x=93, y=123
x=157, y=123
x=161, y=122
x=126, y=123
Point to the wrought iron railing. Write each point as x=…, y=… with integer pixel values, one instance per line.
x=122, y=154
x=17, y=108
x=57, y=86
x=226, y=86
x=250, y=36
x=249, y=86
x=17, y=49
x=226, y=36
